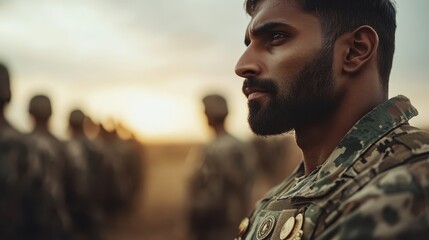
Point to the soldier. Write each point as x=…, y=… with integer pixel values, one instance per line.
x=52, y=165
x=276, y=158
x=220, y=188
x=122, y=170
x=321, y=68
x=84, y=182
x=6, y=128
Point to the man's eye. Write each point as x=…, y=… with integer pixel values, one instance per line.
x=278, y=38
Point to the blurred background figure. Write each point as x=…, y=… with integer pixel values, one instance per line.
x=103, y=177
x=53, y=161
x=220, y=188
x=276, y=158
x=5, y=97
x=85, y=182
x=123, y=169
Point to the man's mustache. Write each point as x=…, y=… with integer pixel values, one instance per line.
x=266, y=85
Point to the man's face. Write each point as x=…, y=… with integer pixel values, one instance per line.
x=289, y=79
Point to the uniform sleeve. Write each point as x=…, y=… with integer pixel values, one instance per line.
x=393, y=206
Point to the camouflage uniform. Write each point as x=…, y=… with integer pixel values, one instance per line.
x=121, y=173
x=46, y=168
x=31, y=202
x=84, y=186
x=220, y=189
x=374, y=185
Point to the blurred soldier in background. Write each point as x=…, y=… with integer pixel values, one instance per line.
x=54, y=158
x=122, y=171
x=85, y=183
x=5, y=96
x=220, y=189
x=276, y=158
x=40, y=110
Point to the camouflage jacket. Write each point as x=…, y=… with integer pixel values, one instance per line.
x=374, y=185
x=219, y=190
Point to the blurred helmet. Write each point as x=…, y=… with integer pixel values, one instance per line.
x=40, y=107
x=76, y=119
x=215, y=106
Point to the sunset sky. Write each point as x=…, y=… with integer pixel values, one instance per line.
x=148, y=63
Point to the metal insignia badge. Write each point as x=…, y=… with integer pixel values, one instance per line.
x=287, y=228
x=266, y=227
x=297, y=229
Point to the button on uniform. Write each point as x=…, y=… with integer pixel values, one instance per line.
x=242, y=228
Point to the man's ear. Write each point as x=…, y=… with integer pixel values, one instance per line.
x=362, y=47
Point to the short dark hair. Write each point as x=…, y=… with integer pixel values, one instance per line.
x=340, y=16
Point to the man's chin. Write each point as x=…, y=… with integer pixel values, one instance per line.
x=268, y=127
x=266, y=120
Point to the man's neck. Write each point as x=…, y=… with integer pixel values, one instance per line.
x=318, y=141
x=41, y=127
x=219, y=130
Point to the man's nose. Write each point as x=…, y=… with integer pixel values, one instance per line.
x=248, y=65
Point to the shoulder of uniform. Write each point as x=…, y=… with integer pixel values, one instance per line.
x=417, y=140
x=404, y=145
x=419, y=171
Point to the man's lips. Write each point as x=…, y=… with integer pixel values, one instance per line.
x=253, y=93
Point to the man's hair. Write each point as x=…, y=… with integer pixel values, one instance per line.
x=340, y=16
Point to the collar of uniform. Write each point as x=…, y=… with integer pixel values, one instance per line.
x=367, y=131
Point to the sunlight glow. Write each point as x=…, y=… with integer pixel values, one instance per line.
x=153, y=115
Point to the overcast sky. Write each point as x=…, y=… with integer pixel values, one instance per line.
x=148, y=63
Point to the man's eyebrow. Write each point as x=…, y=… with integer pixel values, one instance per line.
x=264, y=28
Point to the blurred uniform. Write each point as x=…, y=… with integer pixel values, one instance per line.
x=277, y=157
x=85, y=183
x=29, y=206
x=122, y=171
x=53, y=164
x=376, y=179
x=220, y=189
x=129, y=171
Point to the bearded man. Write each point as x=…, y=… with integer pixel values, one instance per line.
x=321, y=68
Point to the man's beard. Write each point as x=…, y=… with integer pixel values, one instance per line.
x=309, y=99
